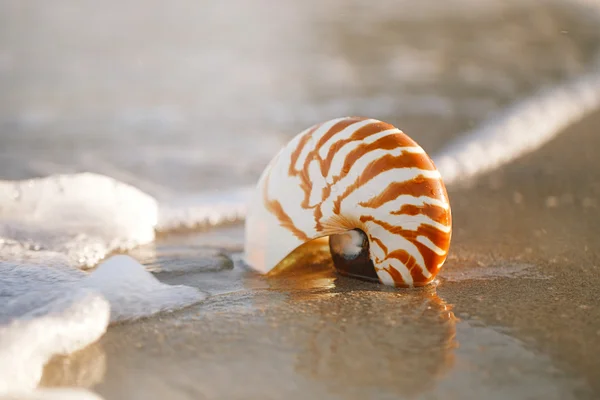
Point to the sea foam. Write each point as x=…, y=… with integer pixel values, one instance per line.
x=82, y=217
x=52, y=310
x=53, y=230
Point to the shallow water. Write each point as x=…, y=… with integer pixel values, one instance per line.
x=181, y=98
x=208, y=92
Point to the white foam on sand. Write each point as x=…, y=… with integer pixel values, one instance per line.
x=204, y=210
x=51, y=230
x=46, y=315
x=52, y=310
x=521, y=129
x=81, y=216
x=134, y=293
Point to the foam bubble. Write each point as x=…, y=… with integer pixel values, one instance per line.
x=522, y=128
x=134, y=293
x=49, y=316
x=81, y=216
x=204, y=209
x=52, y=310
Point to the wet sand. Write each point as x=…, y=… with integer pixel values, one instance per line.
x=515, y=313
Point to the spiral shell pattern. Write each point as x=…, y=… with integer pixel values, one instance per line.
x=350, y=174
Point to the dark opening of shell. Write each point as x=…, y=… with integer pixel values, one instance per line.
x=350, y=254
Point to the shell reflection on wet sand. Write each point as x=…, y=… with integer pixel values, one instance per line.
x=404, y=353
x=411, y=349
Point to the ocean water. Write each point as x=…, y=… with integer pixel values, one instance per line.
x=122, y=128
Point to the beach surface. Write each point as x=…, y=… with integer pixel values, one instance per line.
x=515, y=312
x=179, y=99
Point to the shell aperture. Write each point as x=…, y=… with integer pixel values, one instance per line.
x=366, y=185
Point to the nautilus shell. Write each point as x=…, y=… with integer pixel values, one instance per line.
x=365, y=184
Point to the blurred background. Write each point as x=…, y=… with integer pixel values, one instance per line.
x=181, y=96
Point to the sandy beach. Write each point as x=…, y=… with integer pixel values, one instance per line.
x=152, y=97
x=514, y=313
